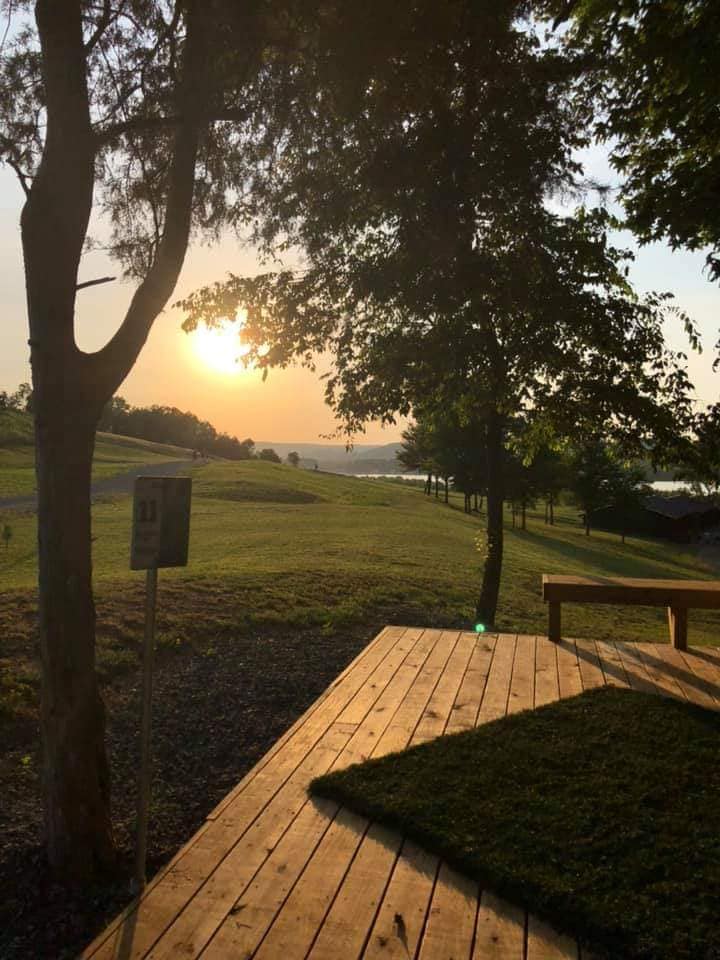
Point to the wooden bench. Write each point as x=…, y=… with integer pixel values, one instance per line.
x=677, y=595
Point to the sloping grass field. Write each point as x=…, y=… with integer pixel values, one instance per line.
x=113, y=454
x=276, y=547
x=272, y=544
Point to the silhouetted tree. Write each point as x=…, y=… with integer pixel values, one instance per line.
x=117, y=103
x=699, y=455
x=650, y=71
x=269, y=455
x=293, y=458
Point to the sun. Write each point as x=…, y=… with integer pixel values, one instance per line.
x=221, y=348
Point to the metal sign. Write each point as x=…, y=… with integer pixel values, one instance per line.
x=160, y=536
x=161, y=522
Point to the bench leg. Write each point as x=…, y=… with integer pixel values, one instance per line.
x=554, y=622
x=677, y=621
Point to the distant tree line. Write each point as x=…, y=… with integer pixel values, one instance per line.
x=177, y=427
x=21, y=400
x=593, y=471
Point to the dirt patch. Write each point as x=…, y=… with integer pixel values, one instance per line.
x=217, y=710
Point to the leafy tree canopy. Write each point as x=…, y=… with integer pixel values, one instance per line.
x=651, y=74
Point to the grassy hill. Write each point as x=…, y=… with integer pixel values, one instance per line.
x=276, y=546
x=113, y=454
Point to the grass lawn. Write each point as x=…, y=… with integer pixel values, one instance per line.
x=275, y=547
x=599, y=813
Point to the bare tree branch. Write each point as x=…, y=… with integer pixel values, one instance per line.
x=109, y=366
x=92, y=283
x=102, y=25
x=143, y=124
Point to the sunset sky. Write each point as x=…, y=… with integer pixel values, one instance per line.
x=173, y=369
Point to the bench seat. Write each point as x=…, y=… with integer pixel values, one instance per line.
x=677, y=595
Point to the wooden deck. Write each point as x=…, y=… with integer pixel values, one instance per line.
x=273, y=873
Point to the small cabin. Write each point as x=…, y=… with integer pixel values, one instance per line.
x=681, y=518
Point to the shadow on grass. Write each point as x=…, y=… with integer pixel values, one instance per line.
x=574, y=811
x=584, y=556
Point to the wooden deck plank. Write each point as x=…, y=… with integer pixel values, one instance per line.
x=522, y=684
x=467, y=703
x=296, y=924
x=591, y=673
x=451, y=919
x=200, y=916
x=662, y=679
x=706, y=676
x=435, y=716
x=404, y=723
x=612, y=666
x=400, y=920
x=544, y=943
x=348, y=922
x=251, y=914
x=547, y=687
x=497, y=689
x=568, y=669
x=665, y=665
x=499, y=931
x=395, y=737
x=365, y=739
x=635, y=671
x=368, y=692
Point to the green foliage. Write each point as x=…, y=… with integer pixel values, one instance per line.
x=650, y=72
x=171, y=426
x=599, y=478
x=699, y=456
x=594, y=813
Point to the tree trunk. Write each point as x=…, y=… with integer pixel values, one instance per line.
x=70, y=390
x=552, y=510
x=437, y=486
x=76, y=777
x=475, y=500
x=428, y=485
x=587, y=528
x=523, y=525
x=447, y=491
x=486, y=608
x=481, y=504
x=546, y=511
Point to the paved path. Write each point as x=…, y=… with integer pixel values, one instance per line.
x=123, y=483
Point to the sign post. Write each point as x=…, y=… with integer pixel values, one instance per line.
x=160, y=537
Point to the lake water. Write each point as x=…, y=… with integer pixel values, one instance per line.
x=662, y=486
